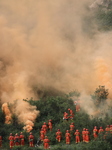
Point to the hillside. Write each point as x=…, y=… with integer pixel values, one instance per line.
x=53, y=108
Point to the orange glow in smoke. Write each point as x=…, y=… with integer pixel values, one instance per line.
x=8, y=116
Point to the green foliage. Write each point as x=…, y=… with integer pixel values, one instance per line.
x=99, y=18
x=99, y=145
x=103, y=17
x=2, y=117
x=74, y=93
x=53, y=108
x=26, y=148
x=100, y=95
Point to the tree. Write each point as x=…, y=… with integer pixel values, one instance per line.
x=100, y=95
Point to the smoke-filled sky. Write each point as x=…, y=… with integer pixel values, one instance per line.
x=43, y=44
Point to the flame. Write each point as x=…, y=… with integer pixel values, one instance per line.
x=8, y=115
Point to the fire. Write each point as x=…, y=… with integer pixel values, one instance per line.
x=8, y=115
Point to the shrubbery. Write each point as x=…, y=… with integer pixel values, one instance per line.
x=53, y=108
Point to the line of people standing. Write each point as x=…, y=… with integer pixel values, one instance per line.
x=16, y=140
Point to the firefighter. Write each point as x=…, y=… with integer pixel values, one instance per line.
x=58, y=135
x=77, y=136
x=95, y=131
x=107, y=128
x=0, y=141
x=11, y=141
x=31, y=140
x=71, y=113
x=67, y=136
x=72, y=126
x=87, y=138
x=50, y=125
x=100, y=130
x=65, y=117
x=83, y=134
x=44, y=126
x=77, y=106
x=46, y=143
x=42, y=134
x=16, y=139
x=22, y=140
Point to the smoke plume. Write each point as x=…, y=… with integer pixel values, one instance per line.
x=44, y=45
x=8, y=115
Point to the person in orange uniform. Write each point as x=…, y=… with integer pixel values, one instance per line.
x=22, y=140
x=58, y=135
x=77, y=106
x=31, y=140
x=17, y=139
x=72, y=126
x=107, y=128
x=71, y=113
x=0, y=141
x=87, y=138
x=83, y=134
x=42, y=134
x=65, y=117
x=67, y=136
x=100, y=130
x=44, y=126
x=50, y=125
x=77, y=136
x=11, y=141
x=46, y=142
x=110, y=128
x=95, y=131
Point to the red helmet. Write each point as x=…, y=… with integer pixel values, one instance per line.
x=86, y=129
x=100, y=127
x=58, y=129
